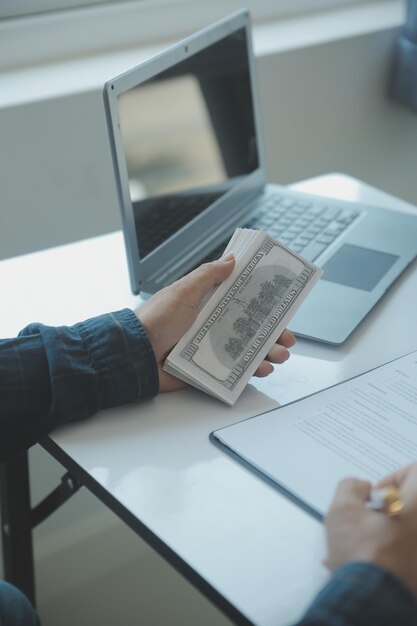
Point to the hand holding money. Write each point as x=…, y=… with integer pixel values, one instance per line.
x=243, y=317
x=170, y=313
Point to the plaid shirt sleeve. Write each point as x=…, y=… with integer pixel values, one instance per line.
x=51, y=376
x=362, y=594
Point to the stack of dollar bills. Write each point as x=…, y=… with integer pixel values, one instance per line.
x=244, y=316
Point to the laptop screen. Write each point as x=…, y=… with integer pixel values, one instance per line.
x=188, y=136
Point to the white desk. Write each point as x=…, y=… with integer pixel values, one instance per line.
x=250, y=550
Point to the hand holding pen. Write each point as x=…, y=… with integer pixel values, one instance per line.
x=376, y=524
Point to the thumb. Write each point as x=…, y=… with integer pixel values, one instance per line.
x=204, y=278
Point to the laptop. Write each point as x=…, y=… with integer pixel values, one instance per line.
x=186, y=142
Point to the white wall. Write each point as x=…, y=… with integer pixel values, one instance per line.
x=55, y=173
x=325, y=109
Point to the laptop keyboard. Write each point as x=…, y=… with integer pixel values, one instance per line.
x=156, y=220
x=306, y=227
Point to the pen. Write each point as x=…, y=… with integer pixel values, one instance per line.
x=388, y=500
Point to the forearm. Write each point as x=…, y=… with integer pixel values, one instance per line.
x=360, y=594
x=51, y=376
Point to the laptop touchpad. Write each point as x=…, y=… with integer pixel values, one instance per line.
x=357, y=267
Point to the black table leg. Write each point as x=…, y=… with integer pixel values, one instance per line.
x=16, y=525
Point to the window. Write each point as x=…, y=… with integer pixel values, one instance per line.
x=16, y=8
x=39, y=31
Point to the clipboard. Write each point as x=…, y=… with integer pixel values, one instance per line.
x=365, y=427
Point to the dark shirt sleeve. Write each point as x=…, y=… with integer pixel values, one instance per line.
x=51, y=376
x=362, y=594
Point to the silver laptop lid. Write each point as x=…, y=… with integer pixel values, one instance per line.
x=184, y=131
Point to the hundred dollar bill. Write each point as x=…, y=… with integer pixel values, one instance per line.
x=244, y=316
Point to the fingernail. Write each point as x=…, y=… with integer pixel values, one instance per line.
x=227, y=258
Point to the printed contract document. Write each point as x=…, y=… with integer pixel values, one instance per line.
x=365, y=427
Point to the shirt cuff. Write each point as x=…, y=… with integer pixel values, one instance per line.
x=362, y=594
x=122, y=357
